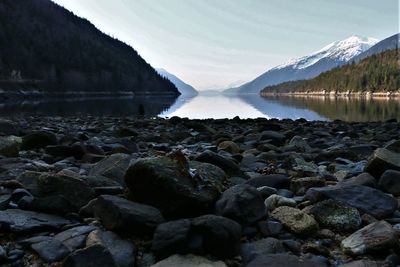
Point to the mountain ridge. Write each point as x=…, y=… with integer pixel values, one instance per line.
x=331, y=56
x=183, y=87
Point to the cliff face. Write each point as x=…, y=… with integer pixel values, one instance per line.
x=44, y=46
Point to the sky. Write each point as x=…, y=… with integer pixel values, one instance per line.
x=218, y=44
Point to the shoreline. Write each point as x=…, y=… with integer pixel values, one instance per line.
x=333, y=94
x=153, y=187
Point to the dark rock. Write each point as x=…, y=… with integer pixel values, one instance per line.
x=365, y=199
x=274, y=201
x=51, y=250
x=51, y=204
x=29, y=179
x=3, y=255
x=75, y=190
x=276, y=181
x=122, y=251
x=296, y=220
x=25, y=221
x=270, y=228
x=361, y=179
x=173, y=188
x=242, y=203
x=390, y=182
x=283, y=260
x=38, y=139
x=373, y=237
x=9, y=146
x=266, y=191
x=226, y=164
x=93, y=256
x=229, y=146
x=381, y=161
x=8, y=128
x=188, y=261
x=64, y=151
x=113, y=167
x=362, y=263
x=220, y=236
x=300, y=185
x=264, y=246
x=75, y=237
x=171, y=238
x=118, y=214
x=274, y=138
x=336, y=215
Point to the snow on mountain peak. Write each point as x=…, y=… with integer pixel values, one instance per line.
x=343, y=51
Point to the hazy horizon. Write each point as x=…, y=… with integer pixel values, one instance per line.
x=213, y=45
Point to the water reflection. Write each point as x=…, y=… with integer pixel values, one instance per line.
x=216, y=106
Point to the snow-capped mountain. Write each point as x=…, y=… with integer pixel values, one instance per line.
x=310, y=66
x=183, y=88
x=389, y=43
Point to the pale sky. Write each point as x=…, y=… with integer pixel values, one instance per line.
x=214, y=44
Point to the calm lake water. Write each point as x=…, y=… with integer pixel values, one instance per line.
x=217, y=107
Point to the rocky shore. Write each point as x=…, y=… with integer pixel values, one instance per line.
x=91, y=191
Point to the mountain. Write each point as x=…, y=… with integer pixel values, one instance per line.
x=44, y=46
x=310, y=66
x=389, y=43
x=377, y=73
x=184, y=88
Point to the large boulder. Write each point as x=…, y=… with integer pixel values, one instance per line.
x=38, y=139
x=336, y=215
x=296, y=220
x=390, y=182
x=113, y=167
x=73, y=189
x=177, y=188
x=383, y=159
x=374, y=237
x=210, y=234
x=121, y=215
x=9, y=146
x=242, y=203
x=364, y=198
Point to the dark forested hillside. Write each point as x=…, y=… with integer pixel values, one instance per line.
x=44, y=45
x=377, y=73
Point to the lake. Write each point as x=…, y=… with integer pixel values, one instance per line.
x=217, y=107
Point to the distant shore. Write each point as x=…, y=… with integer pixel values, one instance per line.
x=368, y=94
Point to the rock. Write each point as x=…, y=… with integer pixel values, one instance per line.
x=242, y=203
x=28, y=221
x=3, y=255
x=211, y=234
x=229, y=146
x=226, y=164
x=264, y=246
x=38, y=139
x=75, y=190
x=362, y=263
x=283, y=260
x=29, y=180
x=75, y=237
x=220, y=236
x=63, y=151
x=270, y=228
x=51, y=250
x=299, y=144
x=122, y=251
x=267, y=191
x=171, y=238
x=381, y=161
x=118, y=214
x=373, y=237
x=336, y=215
x=113, y=167
x=274, y=201
x=276, y=181
x=361, y=179
x=296, y=220
x=100, y=181
x=8, y=128
x=390, y=182
x=92, y=256
x=300, y=185
x=9, y=146
x=365, y=199
x=51, y=204
x=178, y=192
x=274, y=138
x=188, y=261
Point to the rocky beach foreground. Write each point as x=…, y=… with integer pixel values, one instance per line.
x=107, y=191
